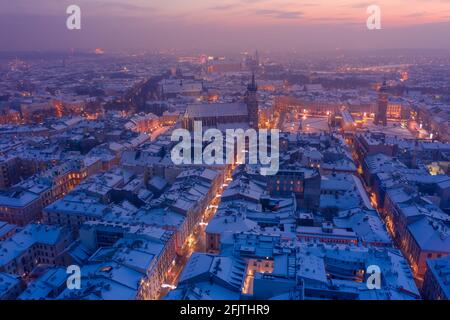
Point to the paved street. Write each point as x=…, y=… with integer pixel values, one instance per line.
x=196, y=242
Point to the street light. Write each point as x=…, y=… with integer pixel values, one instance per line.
x=171, y=287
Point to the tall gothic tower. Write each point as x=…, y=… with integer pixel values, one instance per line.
x=251, y=99
x=381, y=115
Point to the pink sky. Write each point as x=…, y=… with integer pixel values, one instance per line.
x=225, y=23
x=394, y=12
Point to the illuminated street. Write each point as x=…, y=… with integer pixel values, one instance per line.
x=196, y=242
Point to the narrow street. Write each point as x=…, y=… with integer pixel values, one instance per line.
x=387, y=222
x=196, y=242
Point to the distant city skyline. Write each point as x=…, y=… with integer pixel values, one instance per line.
x=229, y=25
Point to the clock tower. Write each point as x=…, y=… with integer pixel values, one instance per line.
x=251, y=100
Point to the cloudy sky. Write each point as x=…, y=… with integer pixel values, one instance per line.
x=223, y=24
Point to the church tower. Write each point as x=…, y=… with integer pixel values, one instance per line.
x=251, y=99
x=381, y=114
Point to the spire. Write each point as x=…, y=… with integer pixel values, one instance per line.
x=257, y=58
x=252, y=86
x=383, y=86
